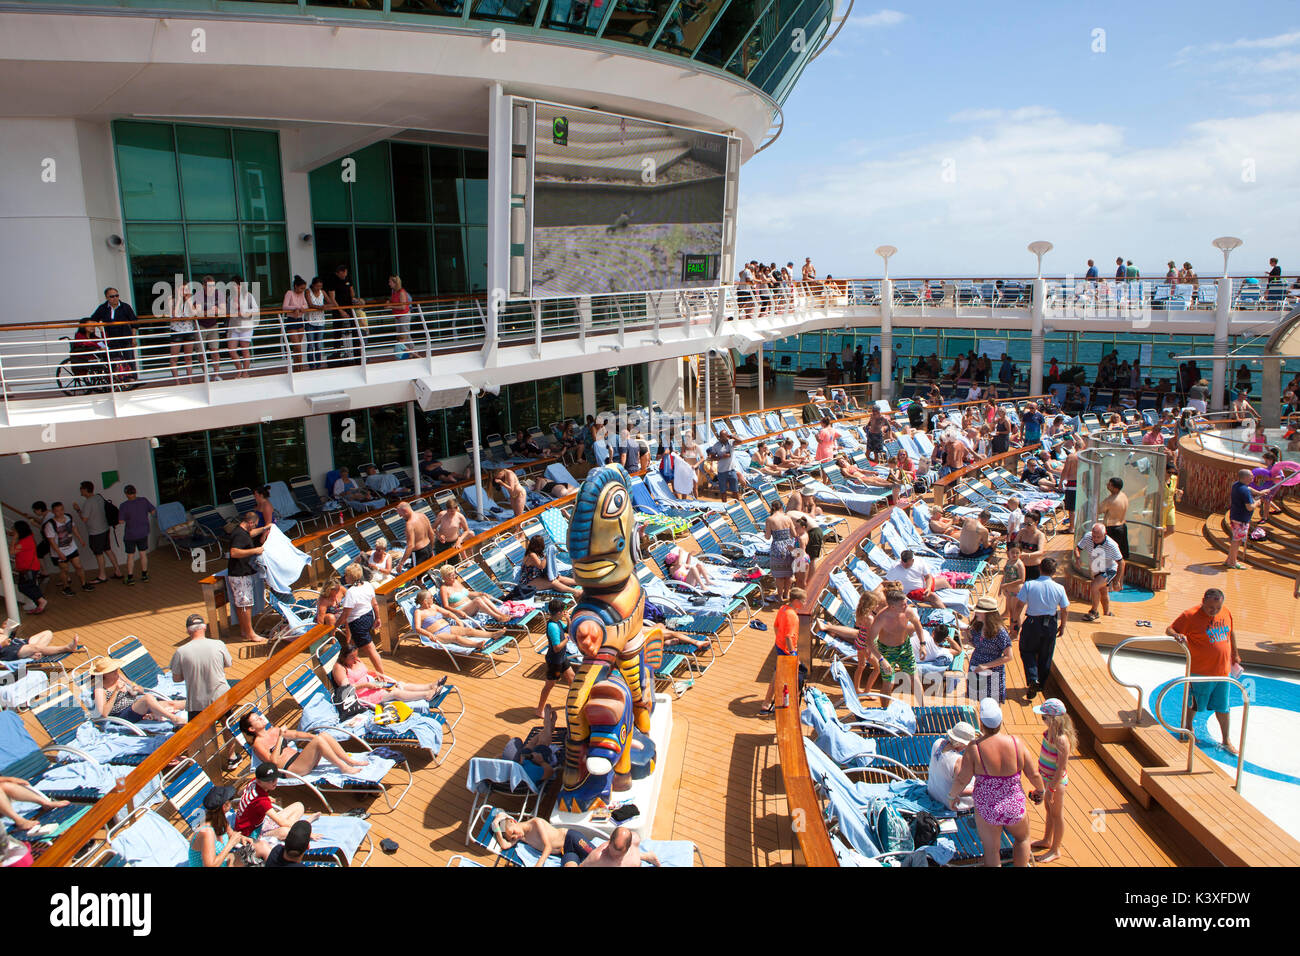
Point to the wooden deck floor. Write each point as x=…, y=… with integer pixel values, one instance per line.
x=727, y=798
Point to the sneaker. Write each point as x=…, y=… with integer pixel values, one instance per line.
x=68, y=592
x=129, y=580
x=144, y=575
x=87, y=586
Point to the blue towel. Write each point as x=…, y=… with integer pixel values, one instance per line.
x=503, y=773
x=106, y=746
x=151, y=841
x=71, y=775
x=282, y=563
x=346, y=833
x=376, y=769
x=845, y=748
x=426, y=729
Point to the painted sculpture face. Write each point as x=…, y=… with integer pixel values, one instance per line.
x=600, y=534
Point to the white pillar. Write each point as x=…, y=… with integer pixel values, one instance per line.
x=500, y=146
x=887, y=339
x=1219, y=366
x=588, y=393
x=1037, y=312
x=415, y=445
x=7, y=578
x=474, y=455
x=1271, y=396
x=708, y=398
x=761, y=406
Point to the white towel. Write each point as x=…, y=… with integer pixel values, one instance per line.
x=282, y=563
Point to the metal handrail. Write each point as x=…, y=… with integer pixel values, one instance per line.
x=1137, y=688
x=1191, y=741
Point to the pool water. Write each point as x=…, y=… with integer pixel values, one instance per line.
x=1271, y=774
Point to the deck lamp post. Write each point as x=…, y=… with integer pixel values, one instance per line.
x=886, y=326
x=1222, y=309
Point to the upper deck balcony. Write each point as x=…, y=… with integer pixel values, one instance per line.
x=158, y=382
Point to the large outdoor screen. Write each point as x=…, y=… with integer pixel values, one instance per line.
x=624, y=205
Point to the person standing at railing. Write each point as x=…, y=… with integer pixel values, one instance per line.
x=1092, y=271
x=314, y=326
x=399, y=303
x=745, y=293
x=295, y=308
x=212, y=319
x=118, y=321
x=182, y=309
x=341, y=299
x=1207, y=633
x=243, y=319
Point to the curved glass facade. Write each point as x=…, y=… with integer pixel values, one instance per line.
x=765, y=42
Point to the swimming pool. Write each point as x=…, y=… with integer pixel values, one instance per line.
x=1271, y=775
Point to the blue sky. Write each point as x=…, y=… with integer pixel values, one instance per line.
x=960, y=132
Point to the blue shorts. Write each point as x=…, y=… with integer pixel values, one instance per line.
x=727, y=481
x=1211, y=696
x=359, y=629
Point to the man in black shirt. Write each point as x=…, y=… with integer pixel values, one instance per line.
x=240, y=572
x=291, y=851
x=341, y=330
x=118, y=321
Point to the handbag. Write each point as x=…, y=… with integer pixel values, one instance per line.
x=346, y=702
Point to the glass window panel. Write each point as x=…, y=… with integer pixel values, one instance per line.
x=475, y=187
x=432, y=434
x=550, y=402
x=572, y=386
x=333, y=246
x=284, y=448
x=508, y=11
x=146, y=168
x=372, y=193
x=415, y=260
x=476, y=257
x=731, y=29
x=444, y=178
x=457, y=420
x=257, y=175
x=350, y=439
x=410, y=182
x=180, y=466
x=635, y=21
x=449, y=260
x=491, y=415
x=374, y=262
x=432, y=8
x=785, y=17
x=388, y=441
x=157, y=254
x=236, y=459
x=576, y=16
x=214, y=251
x=688, y=25
x=266, y=261
x=329, y=194
x=523, y=403
x=207, y=173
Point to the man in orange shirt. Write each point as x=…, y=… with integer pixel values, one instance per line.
x=786, y=626
x=1207, y=632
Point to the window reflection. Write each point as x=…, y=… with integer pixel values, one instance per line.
x=577, y=16
x=688, y=25
x=510, y=11
x=635, y=21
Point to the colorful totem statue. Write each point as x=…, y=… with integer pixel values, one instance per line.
x=612, y=696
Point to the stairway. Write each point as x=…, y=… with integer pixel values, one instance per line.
x=1279, y=552
x=722, y=383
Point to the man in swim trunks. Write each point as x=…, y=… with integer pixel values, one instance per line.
x=419, y=536
x=1113, y=513
x=1069, y=480
x=1209, y=636
x=450, y=529
x=542, y=837
x=891, y=637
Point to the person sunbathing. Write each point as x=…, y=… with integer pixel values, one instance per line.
x=278, y=746
x=372, y=689
x=115, y=696
x=461, y=601
x=16, y=788
x=687, y=568
x=32, y=648
x=436, y=623
x=868, y=478
x=380, y=562
x=532, y=572
x=546, y=839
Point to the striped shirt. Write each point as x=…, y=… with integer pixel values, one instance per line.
x=1109, y=550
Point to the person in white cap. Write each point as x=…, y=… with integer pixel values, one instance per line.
x=996, y=762
x=1059, y=743
x=945, y=758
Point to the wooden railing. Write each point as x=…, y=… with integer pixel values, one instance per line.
x=941, y=486
x=802, y=804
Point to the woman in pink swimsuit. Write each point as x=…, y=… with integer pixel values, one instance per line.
x=996, y=761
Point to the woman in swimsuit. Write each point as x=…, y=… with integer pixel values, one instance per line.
x=459, y=601
x=1032, y=544
x=272, y=745
x=687, y=569
x=435, y=623
x=32, y=648
x=1059, y=742
x=508, y=482
x=330, y=604
x=996, y=761
x=863, y=617
x=266, y=513
x=533, y=571
x=380, y=562
x=115, y=696
x=1013, y=576
x=780, y=530
x=372, y=689
x=214, y=841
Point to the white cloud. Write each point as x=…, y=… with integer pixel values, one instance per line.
x=1028, y=174
x=881, y=18
x=1260, y=43
x=991, y=115
x=1226, y=57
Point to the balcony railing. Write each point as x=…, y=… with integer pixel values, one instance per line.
x=47, y=360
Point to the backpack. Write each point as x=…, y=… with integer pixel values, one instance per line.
x=111, y=514
x=892, y=832
x=43, y=543
x=925, y=829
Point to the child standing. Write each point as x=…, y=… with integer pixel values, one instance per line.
x=1059, y=743
x=557, y=659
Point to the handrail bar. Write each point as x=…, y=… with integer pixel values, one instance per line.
x=1191, y=737
x=1143, y=639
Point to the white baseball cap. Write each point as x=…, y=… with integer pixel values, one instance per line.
x=990, y=713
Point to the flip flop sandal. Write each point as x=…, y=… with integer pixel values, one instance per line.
x=758, y=625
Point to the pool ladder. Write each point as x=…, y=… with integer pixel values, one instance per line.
x=1187, y=678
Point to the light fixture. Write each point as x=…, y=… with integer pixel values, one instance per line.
x=885, y=252
x=1225, y=244
x=1040, y=248
x=305, y=236
x=267, y=419
x=114, y=241
x=25, y=458
x=153, y=443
